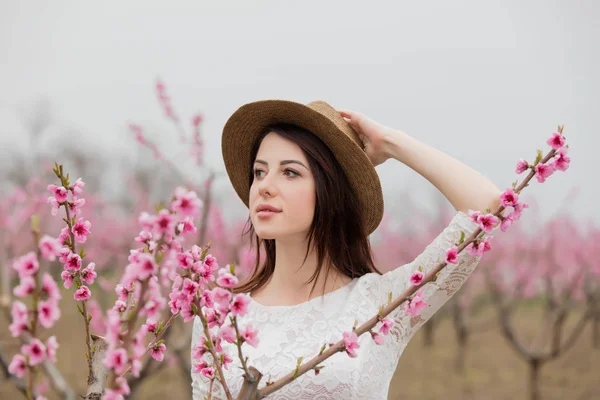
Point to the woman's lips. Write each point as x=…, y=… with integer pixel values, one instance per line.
x=266, y=214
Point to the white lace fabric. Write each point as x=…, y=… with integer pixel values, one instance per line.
x=289, y=332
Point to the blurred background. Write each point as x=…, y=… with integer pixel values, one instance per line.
x=133, y=98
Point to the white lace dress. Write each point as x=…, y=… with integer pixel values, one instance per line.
x=289, y=332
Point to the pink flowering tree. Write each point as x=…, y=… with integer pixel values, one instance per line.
x=35, y=311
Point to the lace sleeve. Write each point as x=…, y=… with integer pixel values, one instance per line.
x=435, y=294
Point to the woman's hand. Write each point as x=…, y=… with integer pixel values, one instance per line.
x=375, y=137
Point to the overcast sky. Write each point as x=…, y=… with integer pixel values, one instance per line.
x=485, y=82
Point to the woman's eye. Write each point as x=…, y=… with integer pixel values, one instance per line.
x=289, y=172
x=292, y=171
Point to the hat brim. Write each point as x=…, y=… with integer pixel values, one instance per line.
x=247, y=122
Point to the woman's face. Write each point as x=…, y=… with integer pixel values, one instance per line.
x=283, y=180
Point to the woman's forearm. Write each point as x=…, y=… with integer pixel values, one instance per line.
x=465, y=188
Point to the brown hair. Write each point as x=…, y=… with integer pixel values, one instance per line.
x=338, y=229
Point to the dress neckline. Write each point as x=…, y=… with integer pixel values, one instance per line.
x=293, y=306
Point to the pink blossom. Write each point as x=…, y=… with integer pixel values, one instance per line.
x=75, y=206
x=88, y=274
x=146, y=221
x=227, y=333
x=158, y=352
x=507, y=222
x=81, y=230
x=120, y=306
x=123, y=386
x=67, y=278
x=206, y=298
x=556, y=141
x=377, y=338
x=487, y=222
x=562, y=160
x=117, y=360
x=49, y=287
x=25, y=287
x=36, y=350
x=51, y=346
x=415, y=306
x=416, y=278
x=226, y=279
x=239, y=306
x=199, y=350
x=185, y=260
x=386, y=324
x=110, y=394
x=199, y=366
x=48, y=312
x=522, y=166
x=351, y=343
x=123, y=291
x=226, y=360
x=187, y=226
x=73, y=262
x=52, y=201
x=518, y=210
x=77, y=187
x=543, y=171
x=145, y=266
x=474, y=215
x=49, y=247
x=82, y=294
x=151, y=326
x=17, y=328
x=19, y=311
x=186, y=202
x=165, y=222
x=208, y=372
x=27, y=265
x=477, y=248
x=60, y=193
x=18, y=366
x=211, y=263
x=190, y=287
x=63, y=237
x=64, y=253
x=509, y=198
x=250, y=335
x=452, y=255
x=143, y=237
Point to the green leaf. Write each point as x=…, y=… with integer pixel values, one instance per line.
x=389, y=297
x=322, y=349
x=538, y=158
x=420, y=268
x=462, y=238
x=89, y=318
x=79, y=308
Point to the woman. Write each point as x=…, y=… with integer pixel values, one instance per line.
x=307, y=174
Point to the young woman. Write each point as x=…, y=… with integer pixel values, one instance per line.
x=307, y=174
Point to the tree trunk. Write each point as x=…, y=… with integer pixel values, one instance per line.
x=534, y=378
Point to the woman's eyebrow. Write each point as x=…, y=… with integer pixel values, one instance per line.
x=283, y=162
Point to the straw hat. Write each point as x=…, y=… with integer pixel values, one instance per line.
x=318, y=117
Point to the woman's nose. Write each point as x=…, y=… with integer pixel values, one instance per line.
x=266, y=187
